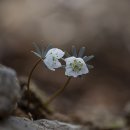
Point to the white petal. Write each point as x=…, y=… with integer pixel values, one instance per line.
x=69, y=60
x=69, y=70
x=48, y=63
x=74, y=74
x=56, y=64
x=51, y=64
x=71, y=73
x=85, y=70
x=58, y=53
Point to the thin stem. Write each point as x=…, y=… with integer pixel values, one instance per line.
x=29, y=79
x=58, y=92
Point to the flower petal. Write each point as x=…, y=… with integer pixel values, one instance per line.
x=48, y=63
x=69, y=60
x=71, y=73
x=72, y=64
x=84, y=69
x=51, y=63
x=58, y=53
x=57, y=64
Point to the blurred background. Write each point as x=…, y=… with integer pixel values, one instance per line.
x=102, y=26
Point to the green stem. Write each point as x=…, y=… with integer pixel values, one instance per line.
x=58, y=92
x=29, y=79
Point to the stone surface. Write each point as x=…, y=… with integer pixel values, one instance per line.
x=9, y=91
x=16, y=123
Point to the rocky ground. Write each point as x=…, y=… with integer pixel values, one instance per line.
x=11, y=100
x=15, y=115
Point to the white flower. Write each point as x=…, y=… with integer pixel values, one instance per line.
x=52, y=58
x=75, y=66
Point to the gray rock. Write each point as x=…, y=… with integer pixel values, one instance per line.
x=9, y=91
x=56, y=125
x=17, y=123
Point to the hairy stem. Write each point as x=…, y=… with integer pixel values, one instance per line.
x=58, y=92
x=29, y=79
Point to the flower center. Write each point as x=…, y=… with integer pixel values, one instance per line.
x=76, y=66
